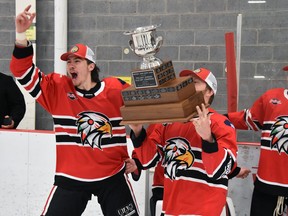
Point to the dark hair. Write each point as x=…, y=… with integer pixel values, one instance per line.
x=95, y=72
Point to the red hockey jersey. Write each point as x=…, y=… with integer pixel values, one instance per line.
x=269, y=113
x=90, y=142
x=158, y=176
x=195, y=171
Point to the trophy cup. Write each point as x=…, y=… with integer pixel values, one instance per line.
x=156, y=95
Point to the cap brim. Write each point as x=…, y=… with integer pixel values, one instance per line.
x=184, y=73
x=65, y=56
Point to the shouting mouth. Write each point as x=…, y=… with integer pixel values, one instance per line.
x=74, y=75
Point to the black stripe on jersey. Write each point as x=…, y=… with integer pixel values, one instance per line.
x=65, y=122
x=267, y=126
x=76, y=139
x=154, y=162
x=28, y=76
x=72, y=122
x=23, y=52
x=113, y=140
x=116, y=123
x=67, y=139
x=199, y=175
x=225, y=167
x=222, y=169
x=197, y=155
x=266, y=143
x=37, y=88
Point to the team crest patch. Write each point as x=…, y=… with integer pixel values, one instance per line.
x=74, y=49
x=279, y=134
x=92, y=126
x=71, y=96
x=177, y=156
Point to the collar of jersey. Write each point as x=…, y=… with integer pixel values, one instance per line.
x=92, y=92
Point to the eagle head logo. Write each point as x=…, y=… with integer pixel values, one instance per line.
x=177, y=156
x=92, y=126
x=279, y=134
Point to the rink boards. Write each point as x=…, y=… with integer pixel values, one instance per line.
x=27, y=164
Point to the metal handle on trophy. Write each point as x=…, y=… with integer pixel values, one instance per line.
x=131, y=45
x=159, y=42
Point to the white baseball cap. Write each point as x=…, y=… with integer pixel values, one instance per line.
x=203, y=74
x=81, y=51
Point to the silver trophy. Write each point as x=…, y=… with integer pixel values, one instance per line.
x=152, y=71
x=155, y=94
x=145, y=43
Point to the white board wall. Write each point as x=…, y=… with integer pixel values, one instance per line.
x=27, y=165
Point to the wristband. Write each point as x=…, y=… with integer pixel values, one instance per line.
x=21, y=36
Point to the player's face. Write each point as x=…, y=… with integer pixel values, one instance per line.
x=80, y=72
x=201, y=86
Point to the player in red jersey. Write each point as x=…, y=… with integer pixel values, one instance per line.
x=135, y=167
x=268, y=114
x=197, y=155
x=157, y=186
x=91, y=144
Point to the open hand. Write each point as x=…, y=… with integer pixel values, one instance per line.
x=244, y=172
x=202, y=123
x=24, y=20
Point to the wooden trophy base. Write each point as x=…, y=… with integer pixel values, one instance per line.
x=162, y=113
x=174, y=91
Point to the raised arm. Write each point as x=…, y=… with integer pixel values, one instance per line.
x=23, y=22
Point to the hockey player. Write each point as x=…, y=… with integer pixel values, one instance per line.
x=91, y=143
x=197, y=155
x=134, y=167
x=268, y=114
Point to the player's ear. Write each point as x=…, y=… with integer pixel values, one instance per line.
x=91, y=66
x=210, y=92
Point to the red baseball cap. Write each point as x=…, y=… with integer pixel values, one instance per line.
x=203, y=74
x=285, y=68
x=81, y=51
